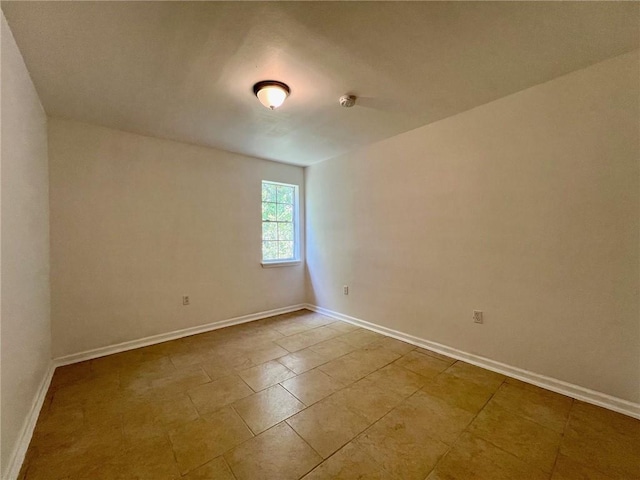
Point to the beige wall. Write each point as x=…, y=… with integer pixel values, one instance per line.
x=526, y=208
x=138, y=222
x=25, y=327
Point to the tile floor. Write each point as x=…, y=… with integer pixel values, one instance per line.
x=303, y=396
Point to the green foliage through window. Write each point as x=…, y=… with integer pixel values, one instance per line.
x=278, y=221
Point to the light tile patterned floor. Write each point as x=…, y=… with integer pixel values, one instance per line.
x=303, y=396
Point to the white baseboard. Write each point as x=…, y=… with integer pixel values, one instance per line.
x=574, y=391
x=20, y=450
x=165, y=337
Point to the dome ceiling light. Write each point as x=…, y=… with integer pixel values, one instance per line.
x=271, y=93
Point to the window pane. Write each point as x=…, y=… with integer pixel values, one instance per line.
x=268, y=192
x=278, y=227
x=270, y=231
x=285, y=195
x=285, y=213
x=285, y=231
x=270, y=250
x=269, y=211
x=285, y=250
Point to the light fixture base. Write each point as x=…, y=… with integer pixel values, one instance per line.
x=271, y=93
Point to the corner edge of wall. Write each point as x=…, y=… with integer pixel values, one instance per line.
x=20, y=450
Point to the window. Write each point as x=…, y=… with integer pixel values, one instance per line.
x=280, y=236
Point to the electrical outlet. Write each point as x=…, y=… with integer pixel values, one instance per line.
x=185, y=300
x=345, y=289
x=477, y=316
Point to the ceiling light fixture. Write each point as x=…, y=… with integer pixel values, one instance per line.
x=271, y=93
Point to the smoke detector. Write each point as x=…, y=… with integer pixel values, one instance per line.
x=347, y=101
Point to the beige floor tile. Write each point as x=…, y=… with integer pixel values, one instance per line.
x=360, y=338
x=293, y=326
x=328, y=425
x=568, y=469
x=473, y=458
x=443, y=421
x=477, y=375
x=400, y=442
x=368, y=399
x=214, y=395
x=359, y=363
x=58, y=423
x=147, y=461
x=397, y=379
x=458, y=392
x=216, y=469
x=278, y=453
x=143, y=420
x=266, y=375
x=542, y=406
x=236, y=359
x=303, y=360
x=267, y=352
x=196, y=443
x=105, y=411
x=70, y=374
x=88, y=389
x=394, y=345
x=171, y=384
x=349, y=463
x=598, y=420
x=255, y=335
x=527, y=440
x=192, y=356
x=143, y=373
x=264, y=409
x=312, y=386
x=333, y=348
x=71, y=454
x=217, y=369
x=305, y=339
x=422, y=364
x=299, y=323
x=437, y=355
x=343, y=327
x=604, y=440
x=319, y=320
x=178, y=382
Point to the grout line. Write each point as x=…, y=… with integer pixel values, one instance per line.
x=243, y=420
x=245, y=382
x=564, y=431
x=193, y=404
x=322, y=459
x=370, y=425
x=228, y=466
x=465, y=430
x=296, y=397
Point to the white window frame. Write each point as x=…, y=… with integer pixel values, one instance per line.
x=296, y=229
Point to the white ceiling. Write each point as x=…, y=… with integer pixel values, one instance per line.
x=185, y=70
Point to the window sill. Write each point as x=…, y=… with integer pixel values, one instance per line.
x=283, y=263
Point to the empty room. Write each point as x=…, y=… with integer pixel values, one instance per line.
x=320, y=240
